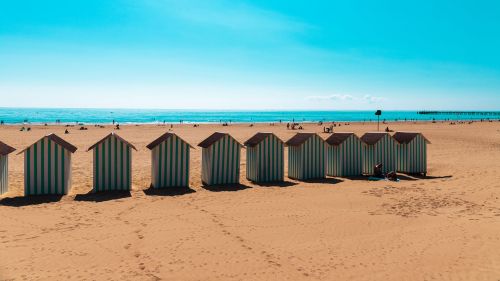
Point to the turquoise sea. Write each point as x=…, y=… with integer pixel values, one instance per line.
x=131, y=116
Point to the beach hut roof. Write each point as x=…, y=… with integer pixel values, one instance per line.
x=163, y=138
x=338, y=138
x=257, y=138
x=110, y=135
x=373, y=137
x=6, y=149
x=55, y=138
x=214, y=138
x=300, y=138
x=407, y=137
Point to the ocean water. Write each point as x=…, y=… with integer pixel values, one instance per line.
x=131, y=116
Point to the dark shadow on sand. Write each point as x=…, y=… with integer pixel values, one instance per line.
x=226, y=187
x=30, y=200
x=356, y=178
x=169, y=191
x=427, y=177
x=405, y=177
x=323, y=181
x=102, y=196
x=275, y=184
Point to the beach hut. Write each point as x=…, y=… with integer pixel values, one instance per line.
x=378, y=147
x=112, y=163
x=220, y=160
x=47, y=166
x=306, y=156
x=169, y=161
x=411, y=152
x=265, y=158
x=5, y=150
x=344, y=155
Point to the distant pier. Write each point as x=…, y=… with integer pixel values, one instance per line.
x=480, y=113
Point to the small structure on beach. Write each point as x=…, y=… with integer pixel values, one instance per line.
x=378, y=147
x=220, y=160
x=112, y=163
x=344, y=155
x=411, y=152
x=47, y=166
x=265, y=158
x=306, y=156
x=169, y=161
x=5, y=150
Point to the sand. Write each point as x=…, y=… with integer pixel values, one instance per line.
x=443, y=227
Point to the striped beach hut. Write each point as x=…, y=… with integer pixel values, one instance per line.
x=169, y=161
x=112, y=163
x=47, y=166
x=265, y=158
x=220, y=160
x=306, y=156
x=344, y=155
x=378, y=147
x=5, y=150
x=411, y=153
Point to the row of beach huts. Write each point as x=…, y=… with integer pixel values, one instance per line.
x=47, y=163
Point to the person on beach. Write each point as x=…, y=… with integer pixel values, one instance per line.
x=377, y=171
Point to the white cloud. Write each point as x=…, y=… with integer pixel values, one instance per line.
x=330, y=97
x=373, y=99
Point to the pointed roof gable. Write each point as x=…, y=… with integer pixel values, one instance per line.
x=6, y=149
x=215, y=137
x=259, y=137
x=300, y=138
x=108, y=136
x=162, y=139
x=407, y=137
x=373, y=137
x=55, y=138
x=338, y=138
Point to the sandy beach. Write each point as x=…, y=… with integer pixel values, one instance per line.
x=442, y=227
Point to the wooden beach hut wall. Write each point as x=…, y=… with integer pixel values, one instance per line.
x=265, y=158
x=5, y=150
x=220, y=160
x=411, y=153
x=306, y=156
x=378, y=147
x=112, y=163
x=344, y=155
x=47, y=166
x=169, y=161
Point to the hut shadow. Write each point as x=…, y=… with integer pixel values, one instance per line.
x=168, y=191
x=102, y=196
x=30, y=200
x=356, y=178
x=422, y=177
x=324, y=181
x=226, y=187
x=275, y=184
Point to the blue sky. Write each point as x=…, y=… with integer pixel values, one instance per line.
x=205, y=54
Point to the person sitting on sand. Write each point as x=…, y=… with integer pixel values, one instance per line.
x=392, y=176
x=66, y=132
x=22, y=129
x=117, y=127
x=377, y=171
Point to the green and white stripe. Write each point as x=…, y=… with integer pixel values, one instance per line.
x=112, y=165
x=412, y=157
x=221, y=162
x=4, y=174
x=384, y=151
x=47, y=168
x=170, y=163
x=307, y=161
x=265, y=161
x=345, y=159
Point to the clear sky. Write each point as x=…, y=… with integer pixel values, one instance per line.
x=280, y=54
